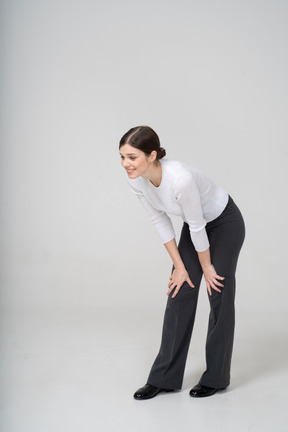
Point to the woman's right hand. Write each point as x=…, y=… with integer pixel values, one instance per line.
x=177, y=278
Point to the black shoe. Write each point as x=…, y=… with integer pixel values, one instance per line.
x=203, y=391
x=148, y=392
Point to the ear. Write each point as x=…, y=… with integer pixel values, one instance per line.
x=153, y=156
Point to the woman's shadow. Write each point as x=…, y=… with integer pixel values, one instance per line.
x=260, y=351
x=260, y=354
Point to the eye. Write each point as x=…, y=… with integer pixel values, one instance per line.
x=132, y=157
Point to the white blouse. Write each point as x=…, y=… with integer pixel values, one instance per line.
x=184, y=191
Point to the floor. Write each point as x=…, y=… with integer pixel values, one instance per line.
x=75, y=370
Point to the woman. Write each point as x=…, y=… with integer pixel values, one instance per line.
x=210, y=242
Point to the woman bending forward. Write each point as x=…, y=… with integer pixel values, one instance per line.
x=210, y=242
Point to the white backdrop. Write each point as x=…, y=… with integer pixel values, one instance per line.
x=210, y=77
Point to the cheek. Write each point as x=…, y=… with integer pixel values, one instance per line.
x=141, y=164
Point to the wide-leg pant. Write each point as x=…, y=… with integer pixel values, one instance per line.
x=226, y=235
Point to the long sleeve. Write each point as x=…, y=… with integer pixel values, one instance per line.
x=186, y=192
x=187, y=195
x=160, y=220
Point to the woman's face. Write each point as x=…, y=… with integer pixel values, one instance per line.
x=136, y=162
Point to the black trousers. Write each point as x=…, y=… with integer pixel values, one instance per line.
x=226, y=235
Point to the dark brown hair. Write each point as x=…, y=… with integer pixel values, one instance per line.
x=145, y=139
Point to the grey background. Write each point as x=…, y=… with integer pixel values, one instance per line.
x=210, y=77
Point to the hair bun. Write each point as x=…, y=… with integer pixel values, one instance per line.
x=162, y=153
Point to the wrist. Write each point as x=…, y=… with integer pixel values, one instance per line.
x=179, y=266
x=206, y=267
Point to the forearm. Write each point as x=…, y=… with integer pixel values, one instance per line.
x=173, y=251
x=211, y=277
x=205, y=259
x=179, y=274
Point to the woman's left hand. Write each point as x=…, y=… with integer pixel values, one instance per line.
x=212, y=279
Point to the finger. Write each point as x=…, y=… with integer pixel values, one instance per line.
x=214, y=287
x=219, y=277
x=171, y=289
x=209, y=289
x=176, y=292
x=190, y=283
x=217, y=289
x=214, y=283
x=218, y=283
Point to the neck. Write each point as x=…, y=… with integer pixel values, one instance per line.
x=155, y=174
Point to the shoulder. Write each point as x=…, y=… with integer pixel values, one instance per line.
x=183, y=179
x=180, y=173
x=177, y=168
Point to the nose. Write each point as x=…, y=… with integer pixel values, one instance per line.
x=125, y=163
